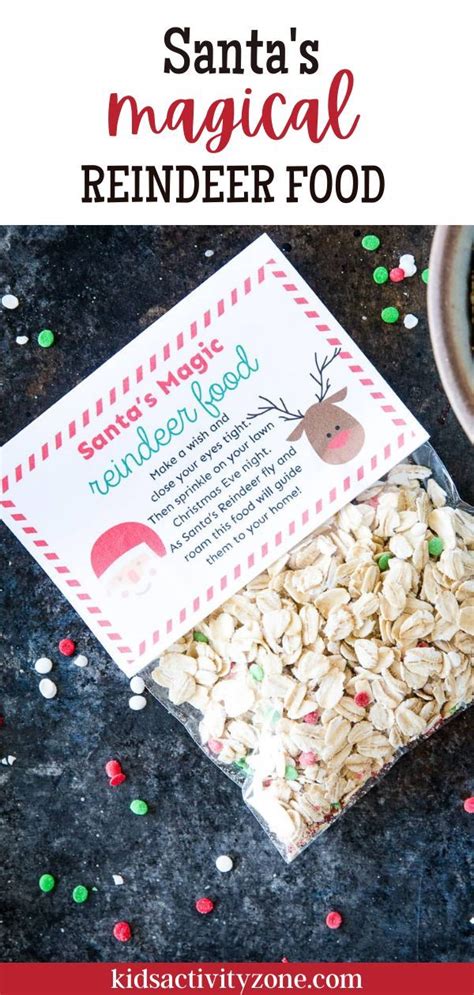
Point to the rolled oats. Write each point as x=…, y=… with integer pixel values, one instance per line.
x=286, y=657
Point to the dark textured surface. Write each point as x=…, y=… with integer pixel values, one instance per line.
x=396, y=864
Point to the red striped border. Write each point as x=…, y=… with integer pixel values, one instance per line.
x=200, y=602
x=332, y=339
x=198, y=326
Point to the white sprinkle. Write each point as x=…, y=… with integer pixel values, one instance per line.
x=137, y=685
x=80, y=660
x=22, y=339
x=407, y=264
x=472, y=920
x=118, y=879
x=410, y=321
x=4, y=761
x=43, y=665
x=208, y=253
x=137, y=702
x=48, y=688
x=10, y=301
x=224, y=863
x=11, y=760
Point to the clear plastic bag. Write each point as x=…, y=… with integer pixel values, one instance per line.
x=345, y=704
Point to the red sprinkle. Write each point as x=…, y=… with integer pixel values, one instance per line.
x=397, y=274
x=117, y=779
x=2, y=720
x=307, y=759
x=214, y=745
x=469, y=805
x=334, y=920
x=113, y=767
x=122, y=931
x=67, y=647
x=362, y=699
x=422, y=643
x=311, y=718
x=204, y=906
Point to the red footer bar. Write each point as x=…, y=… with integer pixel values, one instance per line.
x=238, y=979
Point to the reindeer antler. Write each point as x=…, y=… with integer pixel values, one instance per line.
x=319, y=380
x=284, y=414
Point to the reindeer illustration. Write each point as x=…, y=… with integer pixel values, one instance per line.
x=335, y=435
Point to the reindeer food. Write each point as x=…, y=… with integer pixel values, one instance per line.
x=324, y=668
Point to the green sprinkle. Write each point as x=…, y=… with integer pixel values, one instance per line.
x=380, y=274
x=138, y=807
x=383, y=560
x=435, y=546
x=291, y=773
x=256, y=671
x=199, y=637
x=47, y=882
x=425, y=275
x=241, y=764
x=80, y=894
x=46, y=338
x=389, y=315
x=336, y=805
x=370, y=242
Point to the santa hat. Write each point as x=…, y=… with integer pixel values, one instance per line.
x=119, y=540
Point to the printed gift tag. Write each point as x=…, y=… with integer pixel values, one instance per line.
x=200, y=453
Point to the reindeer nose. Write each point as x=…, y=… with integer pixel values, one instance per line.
x=339, y=440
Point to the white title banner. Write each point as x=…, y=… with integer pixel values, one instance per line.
x=217, y=113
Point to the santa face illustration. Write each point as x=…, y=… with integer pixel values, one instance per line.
x=125, y=558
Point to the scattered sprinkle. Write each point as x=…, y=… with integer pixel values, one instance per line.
x=208, y=253
x=11, y=760
x=80, y=894
x=47, y=688
x=224, y=863
x=67, y=647
x=138, y=807
x=46, y=338
x=311, y=718
x=80, y=660
x=472, y=920
x=407, y=264
x=21, y=339
x=47, y=882
x=118, y=879
x=435, y=546
x=117, y=779
x=370, y=242
x=214, y=745
x=10, y=301
x=256, y=671
x=122, y=931
x=204, y=906
x=307, y=759
x=242, y=764
x=291, y=773
x=137, y=702
x=362, y=699
x=425, y=275
x=199, y=637
x=113, y=767
x=383, y=561
x=390, y=315
x=137, y=685
x=380, y=274
x=469, y=805
x=397, y=274
x=410, y=321
x=334, y=920
x=43, y=665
